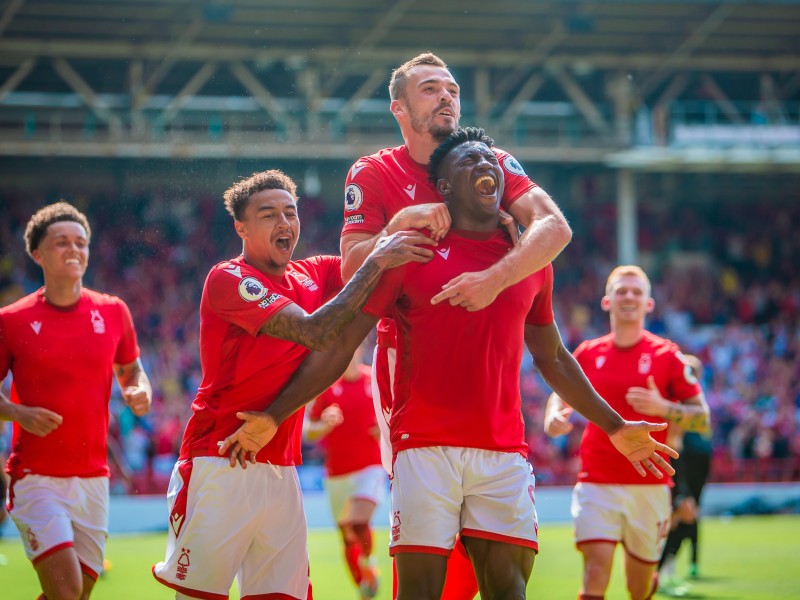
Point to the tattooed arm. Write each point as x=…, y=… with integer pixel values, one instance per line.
x=321, y=329
x=691, y=415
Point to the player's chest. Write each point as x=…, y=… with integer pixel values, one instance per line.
x=90, y=337
x=613, y=373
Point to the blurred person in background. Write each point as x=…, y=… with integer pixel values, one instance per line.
x=692, y=469
x=63, y=345
x=260, y=313
x=344, y=423
x=391, y=190
x=641, y=376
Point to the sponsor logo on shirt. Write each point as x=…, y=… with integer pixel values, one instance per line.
x=183, y=564
x=353, y=197
x=268, y=300
x=599, y=362
x=36, y=326
x=236, y=271
x=354, y=219
x=357, y=169
x=645, y=363
x=444, y=253
x=251, y=289
x=410, y=189
x=512, y=165
x=98, y=324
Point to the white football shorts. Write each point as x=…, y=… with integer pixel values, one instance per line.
x=368, y=483
x=52, y=513
x=229, y=522
x=636, y=515
x=441, y=491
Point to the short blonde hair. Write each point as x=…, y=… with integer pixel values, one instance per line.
x=627, y=271
x=397, y=84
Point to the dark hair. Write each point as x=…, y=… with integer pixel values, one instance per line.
x=37, y=225
x=237, y=196
x=397, y=84
x=455, y=139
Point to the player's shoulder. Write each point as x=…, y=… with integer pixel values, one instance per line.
x=660, y=345
x=508, y=162
x=378, y=160
x=99, y=299
x=596, y=345
x=21, y=305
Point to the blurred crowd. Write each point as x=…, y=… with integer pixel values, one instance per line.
x=726, y=285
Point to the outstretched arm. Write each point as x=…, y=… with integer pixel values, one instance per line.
x=547, y=233
x=314, y=375
x=563, y=373
x=321, y=329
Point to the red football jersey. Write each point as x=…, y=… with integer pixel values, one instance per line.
x=612, y=370
x=352, y=445
x=457, y=373
x=243, y=370
x=61, y=359
x=380, y=185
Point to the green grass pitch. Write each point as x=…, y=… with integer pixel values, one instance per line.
x=746, y=558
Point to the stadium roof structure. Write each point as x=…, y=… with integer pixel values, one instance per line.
x=568, y=81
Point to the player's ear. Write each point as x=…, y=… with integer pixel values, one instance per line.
x=443, y=186
x=239, y=227
x=605, y=303
x=396, y=107
x=37, y=257
x=651, y=304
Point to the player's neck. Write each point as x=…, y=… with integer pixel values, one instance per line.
x=420, y=146
x=268, y=267
x=62, y=292
x=470, y=223
x=627, y=335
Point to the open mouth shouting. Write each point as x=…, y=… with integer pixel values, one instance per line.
x=284, y=243
x=486, y=186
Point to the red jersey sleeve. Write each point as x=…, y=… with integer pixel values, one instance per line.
x=386, y=293
x=5, y=352
x=517, y=182
x=246, y=302
x=128, y=348
x=682, y=382
x=541, y=312
x=364, y=208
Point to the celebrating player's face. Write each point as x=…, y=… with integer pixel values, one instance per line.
x=476, y=181
x=64, y=250
x=628, y=299
x=432, y=101
x=270, y=228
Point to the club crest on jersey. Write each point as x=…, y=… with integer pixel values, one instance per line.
x=512, y=165
x=306, y=281
x=396, y=526
x=251, y=289
x=353, y=197
x=98, y=324
x=645, y=363
x=36, y=326
x=183, y=564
